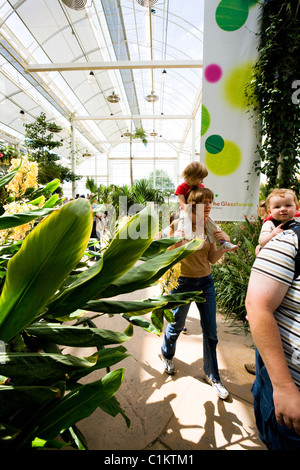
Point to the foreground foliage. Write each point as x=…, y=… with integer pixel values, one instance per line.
x=48, y=297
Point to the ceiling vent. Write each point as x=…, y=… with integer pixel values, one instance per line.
x=113, y=98
x=75, y=4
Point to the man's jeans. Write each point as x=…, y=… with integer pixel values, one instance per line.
x=208, y=322
x=273, y=435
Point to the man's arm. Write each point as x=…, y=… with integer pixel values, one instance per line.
x=264, y=295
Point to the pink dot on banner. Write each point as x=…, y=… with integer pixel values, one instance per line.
x=213, y=73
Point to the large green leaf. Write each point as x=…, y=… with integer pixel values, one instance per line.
x=77, y=336
x=123, y=252
x=14, y=398
x=78, y=405
x=20, y=218
x=48, y=254
x=46, y=368
x=147, y=273
x=158, y=246
x=142, y=306
x=43, y=368
x=9, y=176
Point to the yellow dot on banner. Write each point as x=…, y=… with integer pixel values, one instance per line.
x=225, y=162
x=235, y=83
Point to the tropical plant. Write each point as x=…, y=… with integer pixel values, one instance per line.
x=231, y=276
x=143, y=192
x=41, y=396
x=91, y=185
x=271, y=93
x=21, y=214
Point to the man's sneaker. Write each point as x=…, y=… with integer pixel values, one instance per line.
x=169, y=365
x=218, y=387
x=227, y=246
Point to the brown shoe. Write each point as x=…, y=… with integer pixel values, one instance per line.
x=250, y=368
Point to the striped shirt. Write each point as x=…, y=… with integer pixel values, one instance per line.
x=277, y=261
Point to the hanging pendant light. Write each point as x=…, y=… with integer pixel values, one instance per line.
x=22, y=116
x=153, y=134
x=152, y=97
x=164, y=75
x=113, y=98
x=92, y=78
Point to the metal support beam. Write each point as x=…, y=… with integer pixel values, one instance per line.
x=114, y=65
x=122, y=117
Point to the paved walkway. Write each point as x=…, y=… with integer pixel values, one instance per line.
x=179, y=412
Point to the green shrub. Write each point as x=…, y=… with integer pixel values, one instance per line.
x=232, y=274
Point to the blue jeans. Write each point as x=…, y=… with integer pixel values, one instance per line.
x=208, y=322
x=272, y=434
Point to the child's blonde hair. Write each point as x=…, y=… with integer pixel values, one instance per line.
x=262, y=210
x=197, y=194
x=194, y=170
x=281, y=192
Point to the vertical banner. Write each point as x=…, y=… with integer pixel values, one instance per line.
x=228, y=137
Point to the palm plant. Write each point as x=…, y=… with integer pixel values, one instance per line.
x=91, y=185
x=143, y=192
x=139, y=133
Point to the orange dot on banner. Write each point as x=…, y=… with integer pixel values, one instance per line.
x=225, y=162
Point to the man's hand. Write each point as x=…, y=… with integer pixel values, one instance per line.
x=287, y=405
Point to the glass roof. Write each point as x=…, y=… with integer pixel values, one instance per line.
x=48, y=50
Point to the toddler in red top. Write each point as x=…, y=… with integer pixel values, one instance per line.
x=194, y=175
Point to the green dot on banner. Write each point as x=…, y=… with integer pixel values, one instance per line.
x=225, y=162
x=214, y=143
x=232, y=14
x=205, y=120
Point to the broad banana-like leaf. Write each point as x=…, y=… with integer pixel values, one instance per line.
x=48, y=254
x=47, y=189
x=142, y=306
x=112, y=407
x=36, y=369
x=158, y=246
x=77, y=336
x=122, y=253
x=9, y=176
x=7, y=434
x=147, y=273
x=78, y=405
x=41, y=368
x=142, y=323
x=20, y=218
x=15, y=398
x=51, y=201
